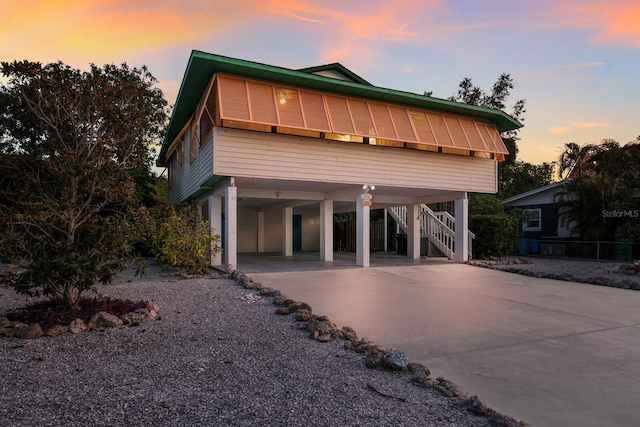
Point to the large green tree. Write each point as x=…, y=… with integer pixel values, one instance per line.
x=515, y=176
x=69, y=143
x=600, y=196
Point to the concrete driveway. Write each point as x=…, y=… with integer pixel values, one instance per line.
x=548, y=352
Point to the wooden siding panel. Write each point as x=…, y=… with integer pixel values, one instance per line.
x=257, y=155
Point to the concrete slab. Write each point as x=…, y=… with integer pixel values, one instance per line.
x=303, y=261
x=549, y=352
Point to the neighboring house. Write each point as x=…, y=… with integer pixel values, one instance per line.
x=542, y=220
x=272, y=153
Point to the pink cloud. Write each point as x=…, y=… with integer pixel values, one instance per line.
x=611, y=22
x=594, y=64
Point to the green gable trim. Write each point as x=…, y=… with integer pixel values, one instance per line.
x=340, y=69
x=203, y=65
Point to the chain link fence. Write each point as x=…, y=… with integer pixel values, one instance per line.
x=623, y=250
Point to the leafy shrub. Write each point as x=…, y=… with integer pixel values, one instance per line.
x=485, y=204
x=496, y=235
x=178, y=236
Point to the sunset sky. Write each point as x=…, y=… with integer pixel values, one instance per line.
x=577, y=63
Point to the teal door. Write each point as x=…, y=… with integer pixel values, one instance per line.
x=297, y=233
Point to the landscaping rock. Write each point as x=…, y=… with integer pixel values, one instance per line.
x=324, y=338
x=477, y=407
x=349, y=334
x=320, y=324
x=152, y=306
x=359, y=346
x=396, y=360
x=447, y=387
x=77, y=326
x=375, y=356
x=27, y=332
x=280, y=299
x=57, y=330
x=104, y=320
x=500, y=420
x=137, y=317
x=420, y=372
x=282, y=311
x=268, y=292
x=303, y=315
x=293, y=307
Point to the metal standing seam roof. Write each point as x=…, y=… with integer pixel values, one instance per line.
x=203, y=65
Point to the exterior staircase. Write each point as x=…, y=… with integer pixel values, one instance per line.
x=437, y=227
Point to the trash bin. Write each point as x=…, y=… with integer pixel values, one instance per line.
x=523, y=247
x=623, y=249
x=534, y=246
x=401, y=244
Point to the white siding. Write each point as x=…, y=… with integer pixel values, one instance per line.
x=187, y=178
x=262, y=155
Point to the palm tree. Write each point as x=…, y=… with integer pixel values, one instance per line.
x=574, y=158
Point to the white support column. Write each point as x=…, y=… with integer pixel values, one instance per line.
x=462, y=229
x=413, y=231
x=287, y=231
x=214, y=205
x=362, y=233
x=231, y=227
x=386, y=231
x=326, y=230
x=260, y=232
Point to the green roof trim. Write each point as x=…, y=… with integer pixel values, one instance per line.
x=203, y=65
x=338, y=68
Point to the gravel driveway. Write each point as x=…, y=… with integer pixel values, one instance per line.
x=211, y=360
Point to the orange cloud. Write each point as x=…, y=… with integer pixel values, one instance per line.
x=590, y=125
x=558, y=130
x=613, y=21
x=93, y=29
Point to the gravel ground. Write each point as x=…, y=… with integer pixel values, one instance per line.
x=211, y=360
x=605, y=273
